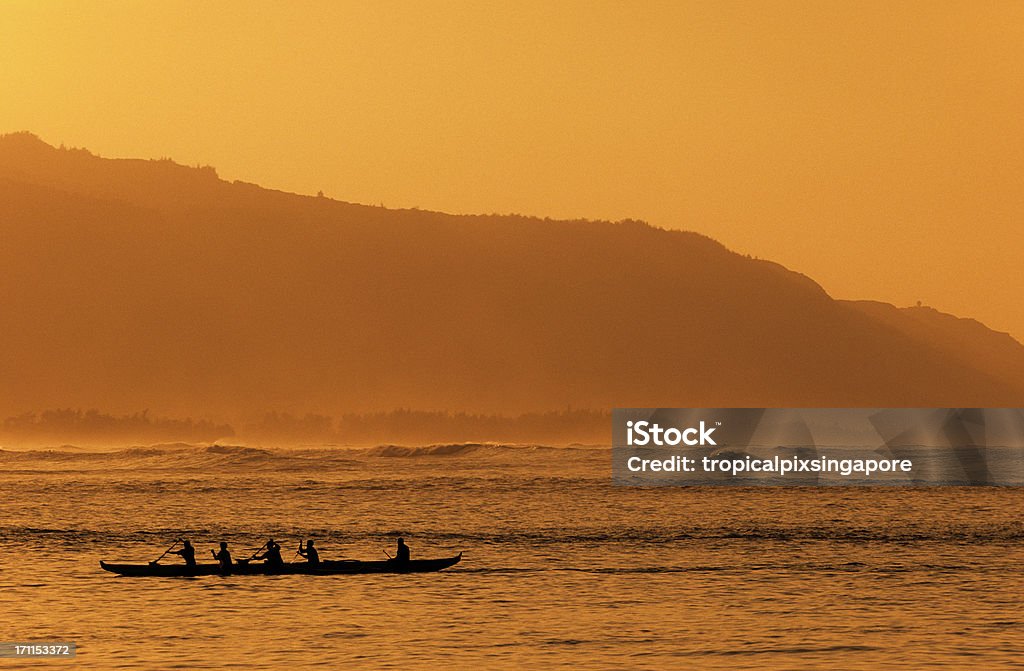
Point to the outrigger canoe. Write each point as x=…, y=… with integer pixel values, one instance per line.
x=343, y=567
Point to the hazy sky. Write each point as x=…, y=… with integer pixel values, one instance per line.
x=874, y=146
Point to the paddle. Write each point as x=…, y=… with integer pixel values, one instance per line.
x=386, y=552
x=157, y=560
x=253, y=556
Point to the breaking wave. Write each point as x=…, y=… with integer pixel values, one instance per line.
x=187, y=456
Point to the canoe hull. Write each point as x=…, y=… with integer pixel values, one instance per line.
x=350, y=567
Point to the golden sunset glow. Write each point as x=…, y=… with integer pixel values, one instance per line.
x=874, y=147
x=518, y=334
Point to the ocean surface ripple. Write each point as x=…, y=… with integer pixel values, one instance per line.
x=561, y=568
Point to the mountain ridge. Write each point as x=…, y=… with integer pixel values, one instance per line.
x=173, y=289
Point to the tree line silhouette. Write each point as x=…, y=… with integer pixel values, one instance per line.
x=65, y=424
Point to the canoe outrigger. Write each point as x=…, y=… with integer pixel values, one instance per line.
x=343, y=567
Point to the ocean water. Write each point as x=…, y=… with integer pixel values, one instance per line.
x=561, y=568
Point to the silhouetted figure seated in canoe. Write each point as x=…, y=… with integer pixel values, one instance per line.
x=310, y=553
x=223, y=557
x=402, y=553
x=272, y=556
x=188, y=553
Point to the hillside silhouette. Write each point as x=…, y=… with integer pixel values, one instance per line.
x=128, y=284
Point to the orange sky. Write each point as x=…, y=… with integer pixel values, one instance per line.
x=875, y=146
